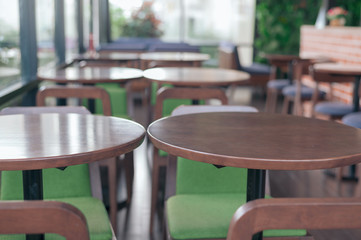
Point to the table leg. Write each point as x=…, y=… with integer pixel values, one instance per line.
x=33, y=190
x=256, y=181
x=356, y=97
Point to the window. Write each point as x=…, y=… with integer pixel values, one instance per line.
x=199, y=22
x=45, y=20
x=71, y=43
x=10, y=57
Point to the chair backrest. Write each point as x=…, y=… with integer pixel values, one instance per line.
x=37, y=217
x=85, y=178
x=187, y=176
x=189, y=109
x=185, y=93
x=294, y=213
x=75, y=92
x=228, y=56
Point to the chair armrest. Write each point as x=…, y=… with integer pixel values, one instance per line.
x=36, y=217
x=294, y=213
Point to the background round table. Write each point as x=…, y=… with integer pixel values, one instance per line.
x=344, y=70
x=173, y=58
x=90, y=75
x=258, y=141
x=109, y=58
x=196, y=77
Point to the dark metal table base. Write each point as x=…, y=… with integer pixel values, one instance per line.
x=256, y=181
x=33, y=190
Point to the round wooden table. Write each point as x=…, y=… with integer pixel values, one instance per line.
x=37, y=141
x=284, y=62
x=258, y=141
x=196, y=77
x=173, y=58
x=129, y=59
x=344, y=70
x=90, y=75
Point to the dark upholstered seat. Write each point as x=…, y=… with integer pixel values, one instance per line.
x=352, y=119
x=278, y=84
x=333, y=109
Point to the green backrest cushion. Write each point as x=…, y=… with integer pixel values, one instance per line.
x=74, y=181
x=202, y=178
x=170, y=104
x=153, y=96
x=118, y=100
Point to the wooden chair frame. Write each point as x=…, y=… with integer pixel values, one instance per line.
x=294, y=213
x=38, y=217
x=228, y=59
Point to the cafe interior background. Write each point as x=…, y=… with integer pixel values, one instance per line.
x=40, y=34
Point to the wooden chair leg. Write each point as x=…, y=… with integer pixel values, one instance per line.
x=271, y=100
x=286, y=105
x=154, y=193
x=339, y=173
x=113, y=190
x=129, y=174
x=358, y=186
x=268, y=100
x=111, y=165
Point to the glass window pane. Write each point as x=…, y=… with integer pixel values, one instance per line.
x=9, y=44
x=45, y=20
x=70, y=27
x=86, y=21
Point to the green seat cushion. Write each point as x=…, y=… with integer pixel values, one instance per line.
x=202, y=178
x=73, y=181
x=197, y=216
x=193, y=216
x=95, y=214
x=118, y=100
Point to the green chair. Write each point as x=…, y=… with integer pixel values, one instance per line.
x=90, y=92
x=201, y=198
x=77, y=185
x=167, y=99
x=119, y=101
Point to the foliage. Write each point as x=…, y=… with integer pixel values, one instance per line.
x=353, y=8
x=143, y=23
x=278, y=25
x=336, y=12
x=279, y=22
x=118, y=21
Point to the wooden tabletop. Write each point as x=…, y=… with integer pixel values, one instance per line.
x=258, y=140
x=174, y=56
x=90, y=75
x=107, y=56
x=339, y=68
x=40, y=141
x=196, y=76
